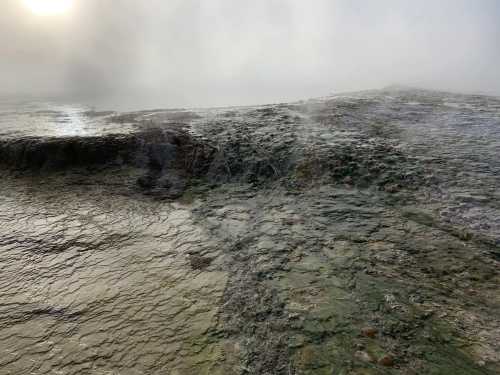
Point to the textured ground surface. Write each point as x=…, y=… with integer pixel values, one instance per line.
x=358, y=234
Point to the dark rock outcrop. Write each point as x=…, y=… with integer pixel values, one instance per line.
x=152, y=149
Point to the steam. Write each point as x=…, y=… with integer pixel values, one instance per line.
x=157, y=53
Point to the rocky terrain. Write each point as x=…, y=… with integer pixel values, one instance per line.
x=353, y=234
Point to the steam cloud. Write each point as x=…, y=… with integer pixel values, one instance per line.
x=167, y=53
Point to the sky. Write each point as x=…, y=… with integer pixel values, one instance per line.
x=185, y=53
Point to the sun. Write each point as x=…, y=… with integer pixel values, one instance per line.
x=48, y=7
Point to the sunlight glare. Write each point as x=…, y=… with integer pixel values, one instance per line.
x=48, y=7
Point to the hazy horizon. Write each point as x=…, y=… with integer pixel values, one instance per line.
x=185, y=53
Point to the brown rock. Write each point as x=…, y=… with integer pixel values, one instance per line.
x=369, y=332
x=387, y=360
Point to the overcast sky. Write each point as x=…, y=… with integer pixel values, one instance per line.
x=170, y=53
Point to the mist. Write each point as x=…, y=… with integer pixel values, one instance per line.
x=132, y=54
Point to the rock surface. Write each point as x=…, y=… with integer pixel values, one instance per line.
x=355, y=234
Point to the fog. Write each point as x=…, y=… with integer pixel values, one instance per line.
x=170, y=53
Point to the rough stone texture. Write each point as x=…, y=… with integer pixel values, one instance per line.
x=357, y=234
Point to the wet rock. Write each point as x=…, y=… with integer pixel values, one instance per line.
x=387, y=360
x=286, y=241
x=158, y=151
x=369, y=332
x=199, y=262
x=146, y=182
x=169, y=186
x=364, y=356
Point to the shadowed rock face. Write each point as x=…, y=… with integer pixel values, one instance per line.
x=168, y=157
x=356, y=234
x=152, y=149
